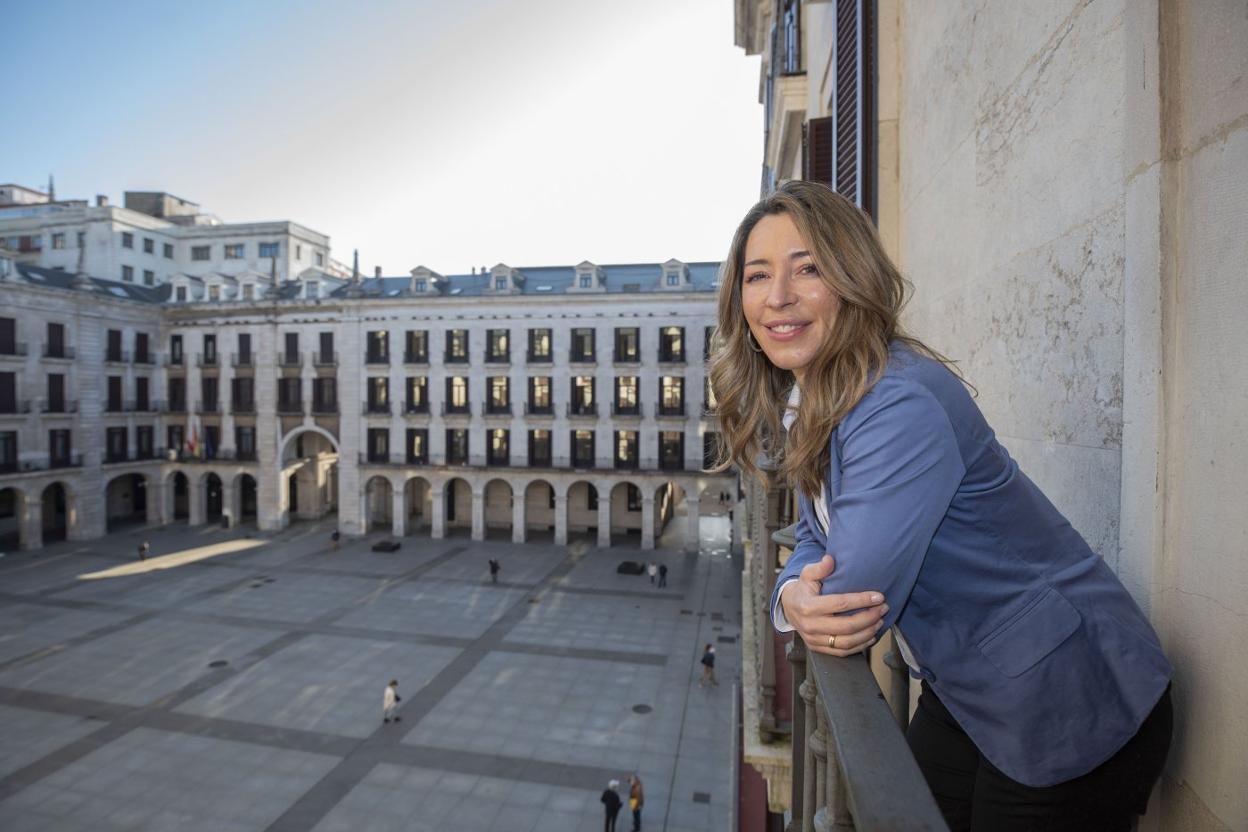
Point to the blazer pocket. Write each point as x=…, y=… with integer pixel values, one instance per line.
x=1018, y=644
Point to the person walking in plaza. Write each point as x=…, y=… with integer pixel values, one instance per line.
x=390, y=702
x=653, y=569
x=636, y=799
x=708, y=667
x=1045, y=698
x=611, y=804
x=333, y=539
x=144, y=548
x=495, y=566
x=662, y=575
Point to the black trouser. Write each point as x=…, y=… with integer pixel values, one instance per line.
x=975, y=796
x=611, y=816
x=637, y=819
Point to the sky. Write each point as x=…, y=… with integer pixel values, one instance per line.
x=443, y=134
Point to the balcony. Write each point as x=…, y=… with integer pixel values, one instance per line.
x=498, y=408
x=581, y=358
x=242, y=407
x=671, y=356
x=416, y=408
x=582, y=410
x=450, y=409
x=176, y=361
x=324, y=408
x=63, y=406
x=58, y=352
x=417, y=358
x=544, y=409
x=448, y=358
x=627, y=464
x=147, y=358
x=112, y=406
x=70, y=461
x=142, y=406
x=380, y=459
x=848, y=745
x=117, y=357
x=670, y=411
x=498, y=461
x=13, y=349
x=208, y=408
x=49, y=464
x=176, y=406
x=324, y=359
x=631, y=358
x=538, y=357
x=498, y=358
x=633, y=409
x=245, y=455
x=242, y=360
x=671, y=463
x=376, y=408
x=377, y=358
x=290, y=359
x=288, y=408
x=209, y=360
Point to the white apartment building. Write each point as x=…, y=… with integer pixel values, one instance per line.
x=534, y=401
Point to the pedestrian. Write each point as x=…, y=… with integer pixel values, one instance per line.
x=636, y=799
x=390, y=702
x=333, y=539
x=662, y=575
x=144, y=548
x=653, y=569
x=495, y=566
x=1045, y=699
x=611, y=803
x=708, y=667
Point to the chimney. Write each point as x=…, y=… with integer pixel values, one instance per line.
x=474, y=269
x=377, y=271
x=101, y=201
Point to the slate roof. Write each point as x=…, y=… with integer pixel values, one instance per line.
x=60, y=279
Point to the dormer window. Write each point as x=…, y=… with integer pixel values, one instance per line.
x=500, y=284
x=181, y=294
x=421, y=284
x=249, y=291
x=673, y=279
x=587, y=281
x=312, y=289
x=214, y=293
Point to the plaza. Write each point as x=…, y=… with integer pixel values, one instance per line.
x=233, y=681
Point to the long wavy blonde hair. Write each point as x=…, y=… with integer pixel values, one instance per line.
x=752, y=392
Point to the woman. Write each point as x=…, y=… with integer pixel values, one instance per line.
x=1045, y=695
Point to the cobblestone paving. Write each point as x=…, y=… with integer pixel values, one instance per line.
x=243, y=691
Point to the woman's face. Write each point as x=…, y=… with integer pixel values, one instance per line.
x=787, y=305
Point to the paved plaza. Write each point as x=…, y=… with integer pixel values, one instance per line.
x=234, y=682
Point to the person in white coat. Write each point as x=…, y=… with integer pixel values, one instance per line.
x=390, y=702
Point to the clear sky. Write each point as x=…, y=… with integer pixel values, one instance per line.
x=445, y=134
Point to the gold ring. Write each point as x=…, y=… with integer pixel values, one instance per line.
x=832, y=642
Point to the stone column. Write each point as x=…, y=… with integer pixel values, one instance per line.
x=647, y=521
x=195, y=499
x=398, y=512
x=437, y=519
x=604, y=517
x=693, y=536
x=517, y=517
x=561, y=519
x=229, y=500
x=31, y=529
x=478, y=515
x=158, y=513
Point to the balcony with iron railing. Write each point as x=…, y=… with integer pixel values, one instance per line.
x=176, y=406
x=671, y=356
x=451, y=409
x=416, y=358
x=498, y=358
x=176, y=362
x=411, y=408
x=497, y=408
x=242, y=407
x=377, y=358
x=287, y=407
x=117, y=357
x=57, y=352
x=208, y=361
x=626, y=409
x=290, y=359
x=208, y=408
x=145, y=358
x=321, y=408
x=13, y=349
x=324, y=359
x=48, y=463
x=531, y=357
x=53, y=407
x=450, y=358
x=670, y=410
x=582, y=410
x=376, y=408
x=242, y=360
x=143, y=406
x=539, y=409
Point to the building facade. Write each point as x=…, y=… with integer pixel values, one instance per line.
x=1062, y=188
x=519, y=401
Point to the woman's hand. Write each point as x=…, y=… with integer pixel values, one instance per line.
x=815, y=616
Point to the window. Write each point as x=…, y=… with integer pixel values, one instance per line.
x=708, y=336
x=626, y=396
x=8, y=336
x=8, y=392
x=149, y=245
x=587, y=281
x=141, y=348
x=498, y=346
x=539, y=395
x=82, y=239
x=249, y=291
x=60, y=451
x=582, y=448
x=500, y=284
x=245, y=442
x=56, y=393
x=539, y=448
x=113, y=350
x=244, y=348
x=214, y=293
x=417, y=394
x=378, y=394
x=114, y=394
x=626, y=449
x=167, y=249
x=270, y=249
x=312, y=289
x=673, y=279
x=210, y=349
x=417, y=446
x=709, y=402
x=56, y=341
x=378, y=445
x=175, y=349
x=233, y=251
x=627, y=350
x=583, y=403
x=457, y=394
x=8, y=450
x=499, y=394
x=634, y=498
x=144, y=442
x=298, y=251
x=320, y=259
x=181, y=293
x=208, y=398
x=243, y=394
x=591, y=498
x=142, y=399
x=582, y=344
x=378, y=347
x=416, y=349
x=421, y=284
x=539, y=345
x=456, y=346
x=672, y=396
x=58, y=240
x=127, y=239
x=115, y=445
x=499, y=447
x=289, y=395
x=325, y=395
x=177, y=395
x=672, y=344
x=456, y=446
x=326, y=356
x=149, y=277
x=201, y=252
x=127, y=274
x=174, y=435
x=671, y=450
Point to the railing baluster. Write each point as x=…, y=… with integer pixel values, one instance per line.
x=899, y=685
x=812, y=770
x=797, y=660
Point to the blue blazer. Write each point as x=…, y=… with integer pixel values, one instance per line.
x=1024, y=633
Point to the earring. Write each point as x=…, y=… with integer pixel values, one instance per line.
x=749, y=336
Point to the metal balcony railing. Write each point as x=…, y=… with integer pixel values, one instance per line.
x=415, y=358
x=538, y=358
x=147, y=358
x=148, y=406
x=290, y=359
x=852, y=768
x=532, y=409
x=13, y=349
x=177, y=361
x=448, y=358
x=581, y=358
x=288, y=408
x=63, y=406
x=633, y=409
x=498, y=358
x=57, y=352
x=117, y=357
x=449, y=409
x=70, y=461
x=176, y=406
x=377, y=358
x=208, y=407
x=242, y=360
x=114, y=407
x=668, y=411
x=206, y=360
x=626, y=358
x=671, y=356
x=325, y=359
x=376, y=408
x=243, y=407
x=324, y=408
x=416, y=408
x=497, y=409
x=582, y=409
